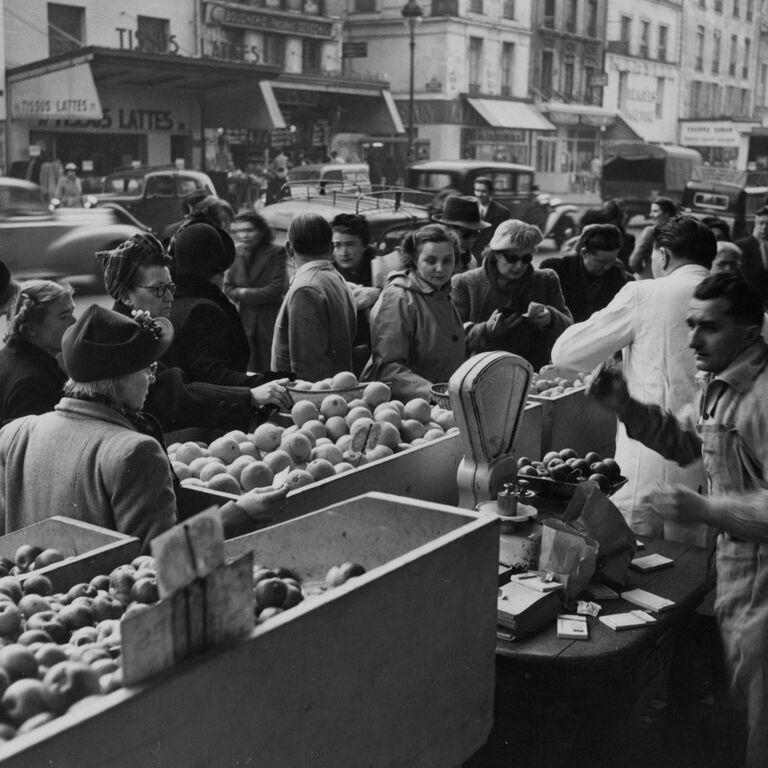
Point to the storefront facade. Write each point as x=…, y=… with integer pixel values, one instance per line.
x=722, y=143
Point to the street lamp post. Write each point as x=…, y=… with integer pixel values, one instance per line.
x=412, y=13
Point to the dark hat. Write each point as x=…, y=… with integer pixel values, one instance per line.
x=104, y=344
x=461, y=212
x=202, y=249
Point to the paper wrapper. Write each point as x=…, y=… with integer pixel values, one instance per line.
x=567, y=554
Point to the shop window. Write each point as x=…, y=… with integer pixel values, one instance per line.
x=718, y=6
x=475, y=63
x=274, y=49
x=568, y=72
x=546, y=154
x=750, y=9
x=736, y=9
x=507, y=68
x=66, y=28
x=547, y=64
x=152, y=34
x=311, y=55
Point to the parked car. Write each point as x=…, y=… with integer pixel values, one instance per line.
x=388, y=217
x=734, y=203
x=37, y=241
x=514, y=187
x=637, y=173
x=151, y=195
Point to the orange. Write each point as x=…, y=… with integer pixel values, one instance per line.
x=376, y=393
x=278, y=460
x=188, y=452
x=389, y=415
x=267, y=436
x=225, y=483
x=344, y=380
x=224, y=448
x=433, y=434
x=334, y=405
x=390, y=435
x=411, y=429
x=298, y=446
x=343, y=442
x=212, y=468
x=258, y=474
x=330, y=453
x=304, y=411
x=320, y=469
x=358, y=413
x=336, y=427
x=315, y=427
x=418, y=408
x=181, y=469
x=298, y=478
x=343, y=466
x=378, y=452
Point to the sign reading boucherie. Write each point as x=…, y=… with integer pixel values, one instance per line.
x=266, y=20
x=63, y=93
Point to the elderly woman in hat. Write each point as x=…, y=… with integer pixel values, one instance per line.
x=210, y=344
x=31, y=379
x=417, y=337
x=97, y=457
x=137, y=275
x=462, y=216
x=507, y=304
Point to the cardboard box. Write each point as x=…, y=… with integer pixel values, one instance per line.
x=92, y=549
x=394, y=668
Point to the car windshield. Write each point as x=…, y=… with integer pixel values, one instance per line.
x=21, y=201
x=124, y=185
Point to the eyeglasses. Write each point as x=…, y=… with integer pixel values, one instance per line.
x=513, y=258
x=160, y=290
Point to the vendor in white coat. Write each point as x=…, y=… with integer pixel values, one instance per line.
x=647, y=320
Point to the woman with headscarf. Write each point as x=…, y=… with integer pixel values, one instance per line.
x=97, y=457
x=507, y=304
x=416, y=334
x=31, y=378
x=137, y=275
x=256, y=282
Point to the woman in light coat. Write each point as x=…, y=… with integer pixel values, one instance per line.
x=417, y=338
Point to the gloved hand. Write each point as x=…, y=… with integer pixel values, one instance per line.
x=539, y=315
x=500, y=322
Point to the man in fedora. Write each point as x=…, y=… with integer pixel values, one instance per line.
x=462, y=215
x=490, y=211
x=97, y=457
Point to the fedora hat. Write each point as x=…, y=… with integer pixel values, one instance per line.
x=202, y=249
x=104, y=344
x=461, y=212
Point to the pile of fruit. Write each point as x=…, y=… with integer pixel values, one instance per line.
x=544, y=386
x=566, y=466
x=29, y=558
x=322, y=442
x=57, y=649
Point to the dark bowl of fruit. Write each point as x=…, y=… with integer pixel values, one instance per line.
x=559, y=472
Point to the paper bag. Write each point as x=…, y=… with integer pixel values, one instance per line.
x=592, y=513
x=567, y=554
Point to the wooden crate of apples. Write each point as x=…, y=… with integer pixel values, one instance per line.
x=324, y=440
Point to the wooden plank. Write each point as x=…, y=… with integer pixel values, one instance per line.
x=229, y=601
x=148, y=642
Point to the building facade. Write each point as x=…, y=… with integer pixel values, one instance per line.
x=213, y=85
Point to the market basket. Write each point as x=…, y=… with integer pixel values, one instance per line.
x=547, y=488
x=317, y=396
x=440, y=395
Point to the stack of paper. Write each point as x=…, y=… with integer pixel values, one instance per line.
x=536, y=581
x=647, y=600
x=524, y=610
x=572, y=626
x=630, y=620
x=649, y=563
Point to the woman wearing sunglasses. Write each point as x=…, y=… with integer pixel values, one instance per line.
x=137, y=275
x=507, y=304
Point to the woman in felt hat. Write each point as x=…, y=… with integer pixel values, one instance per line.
x=69, y=189
x=137, y=275
x=97, y=457
x=462, y=216
x=417, y=338
x=31, y=379
x=507, y=304
x=211, y=344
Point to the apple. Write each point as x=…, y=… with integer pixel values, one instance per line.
x=11, y=586
x=145, y=591
x=24, y=699
x=26, y=555
x=103, y=666
x=49, y=622
x=143, y=561
x=268, y=613
x=37, y=584
x=30, y=637
x=35, y=722
x=101, y=582
x=349, y=570
x=121, y=581
x=29, y=605
x=108, y=632
x=89, y=653
x=48, y=557
x=18, y=661
x=74, y=616
x=106, y=606
x=81, y=590
x=293, y=597
x=7, y=731
x=133, y=608
x=84, y=636
x=111, y=681
x=49, y=654
x=270, y=593
x=5, y=681
x=10, y=619
x=260, y=573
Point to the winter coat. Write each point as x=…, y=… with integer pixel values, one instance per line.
x=316, y=324
x=585, y=293
x=416, y=337
x=210, y=344
x=495, y=214
x=479, y=292
x=646, y=319
x=752, y=266
x=256, y=283
x=31, y=380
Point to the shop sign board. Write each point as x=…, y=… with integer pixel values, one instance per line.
x=355, y=50
x=69, y=92
x=720, y=133
x=261, y=19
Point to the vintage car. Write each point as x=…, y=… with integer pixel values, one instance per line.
x=514, y=187
x=38, y=241
x=152, y=195
x=735, y=202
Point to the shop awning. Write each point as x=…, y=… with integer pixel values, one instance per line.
x=511, y=114
x=361, y=108
x=67, y=92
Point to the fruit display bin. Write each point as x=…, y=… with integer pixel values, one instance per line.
x=393, y=668
x=573, y=420
x=89, y=549
x=426, y=472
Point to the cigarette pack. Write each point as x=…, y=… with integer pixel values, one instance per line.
x=647, y=600
x=571, y=626
x=629, y=620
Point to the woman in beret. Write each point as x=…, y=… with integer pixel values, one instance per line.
x=31, y=378
x=137, y=274
x=507, y=304
x=416, y=334
x=97, y=457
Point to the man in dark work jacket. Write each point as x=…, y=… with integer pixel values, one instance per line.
x=592, y=275
x=754, y=263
